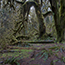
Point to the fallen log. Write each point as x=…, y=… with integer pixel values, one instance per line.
x=37, y=41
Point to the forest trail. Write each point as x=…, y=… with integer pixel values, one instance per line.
x=51, y=60
x=33, y=56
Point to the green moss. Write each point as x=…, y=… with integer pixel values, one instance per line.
x=29, y=1
x=23, y=53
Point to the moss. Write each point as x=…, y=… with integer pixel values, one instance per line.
x=62, y=19
x=23, y=53
x=29, y=1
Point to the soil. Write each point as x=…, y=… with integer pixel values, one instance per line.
x=31, y=60
x=53, y=59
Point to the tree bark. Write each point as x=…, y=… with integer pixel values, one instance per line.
x=62, y=19
x=42, y=28
x=55, y=11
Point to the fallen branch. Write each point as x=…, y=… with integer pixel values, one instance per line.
x=7, y=51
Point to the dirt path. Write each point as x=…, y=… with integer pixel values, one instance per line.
x=52, y=59
x=43, y=54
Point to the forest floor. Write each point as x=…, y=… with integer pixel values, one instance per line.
x=36, y=54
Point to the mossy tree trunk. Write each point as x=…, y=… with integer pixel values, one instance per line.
x=59, y=20
x=25, y=10
x=42, y=28
x=62, y=18
x=37, y=5
x=55, y=10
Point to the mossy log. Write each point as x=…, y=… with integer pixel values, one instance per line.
x=37, y=41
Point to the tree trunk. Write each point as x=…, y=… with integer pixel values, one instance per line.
x=55, y=10
x=59, y=21
x=62, y=18
x=42, y=28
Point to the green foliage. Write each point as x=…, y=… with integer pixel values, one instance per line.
x=44, y=54
x=55, y=60
x=38, y=54
x=55, y=47
x=12, y=60
x=63, y=59
x=16, y=53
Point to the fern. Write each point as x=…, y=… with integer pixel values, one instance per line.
x=55, y=60
x=46, y=56
x=55, y=47
x=63, y=59
x=38, y=54
x=42, y=56
x=12, y=60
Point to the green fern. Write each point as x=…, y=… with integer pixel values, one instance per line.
x=38, y=54
x=63, y=59
x=42, y=56
x=13, y=60
x=46, y=56
x=55, y=60
x=55, y=47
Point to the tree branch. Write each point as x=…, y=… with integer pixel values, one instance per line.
x=48, y=13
